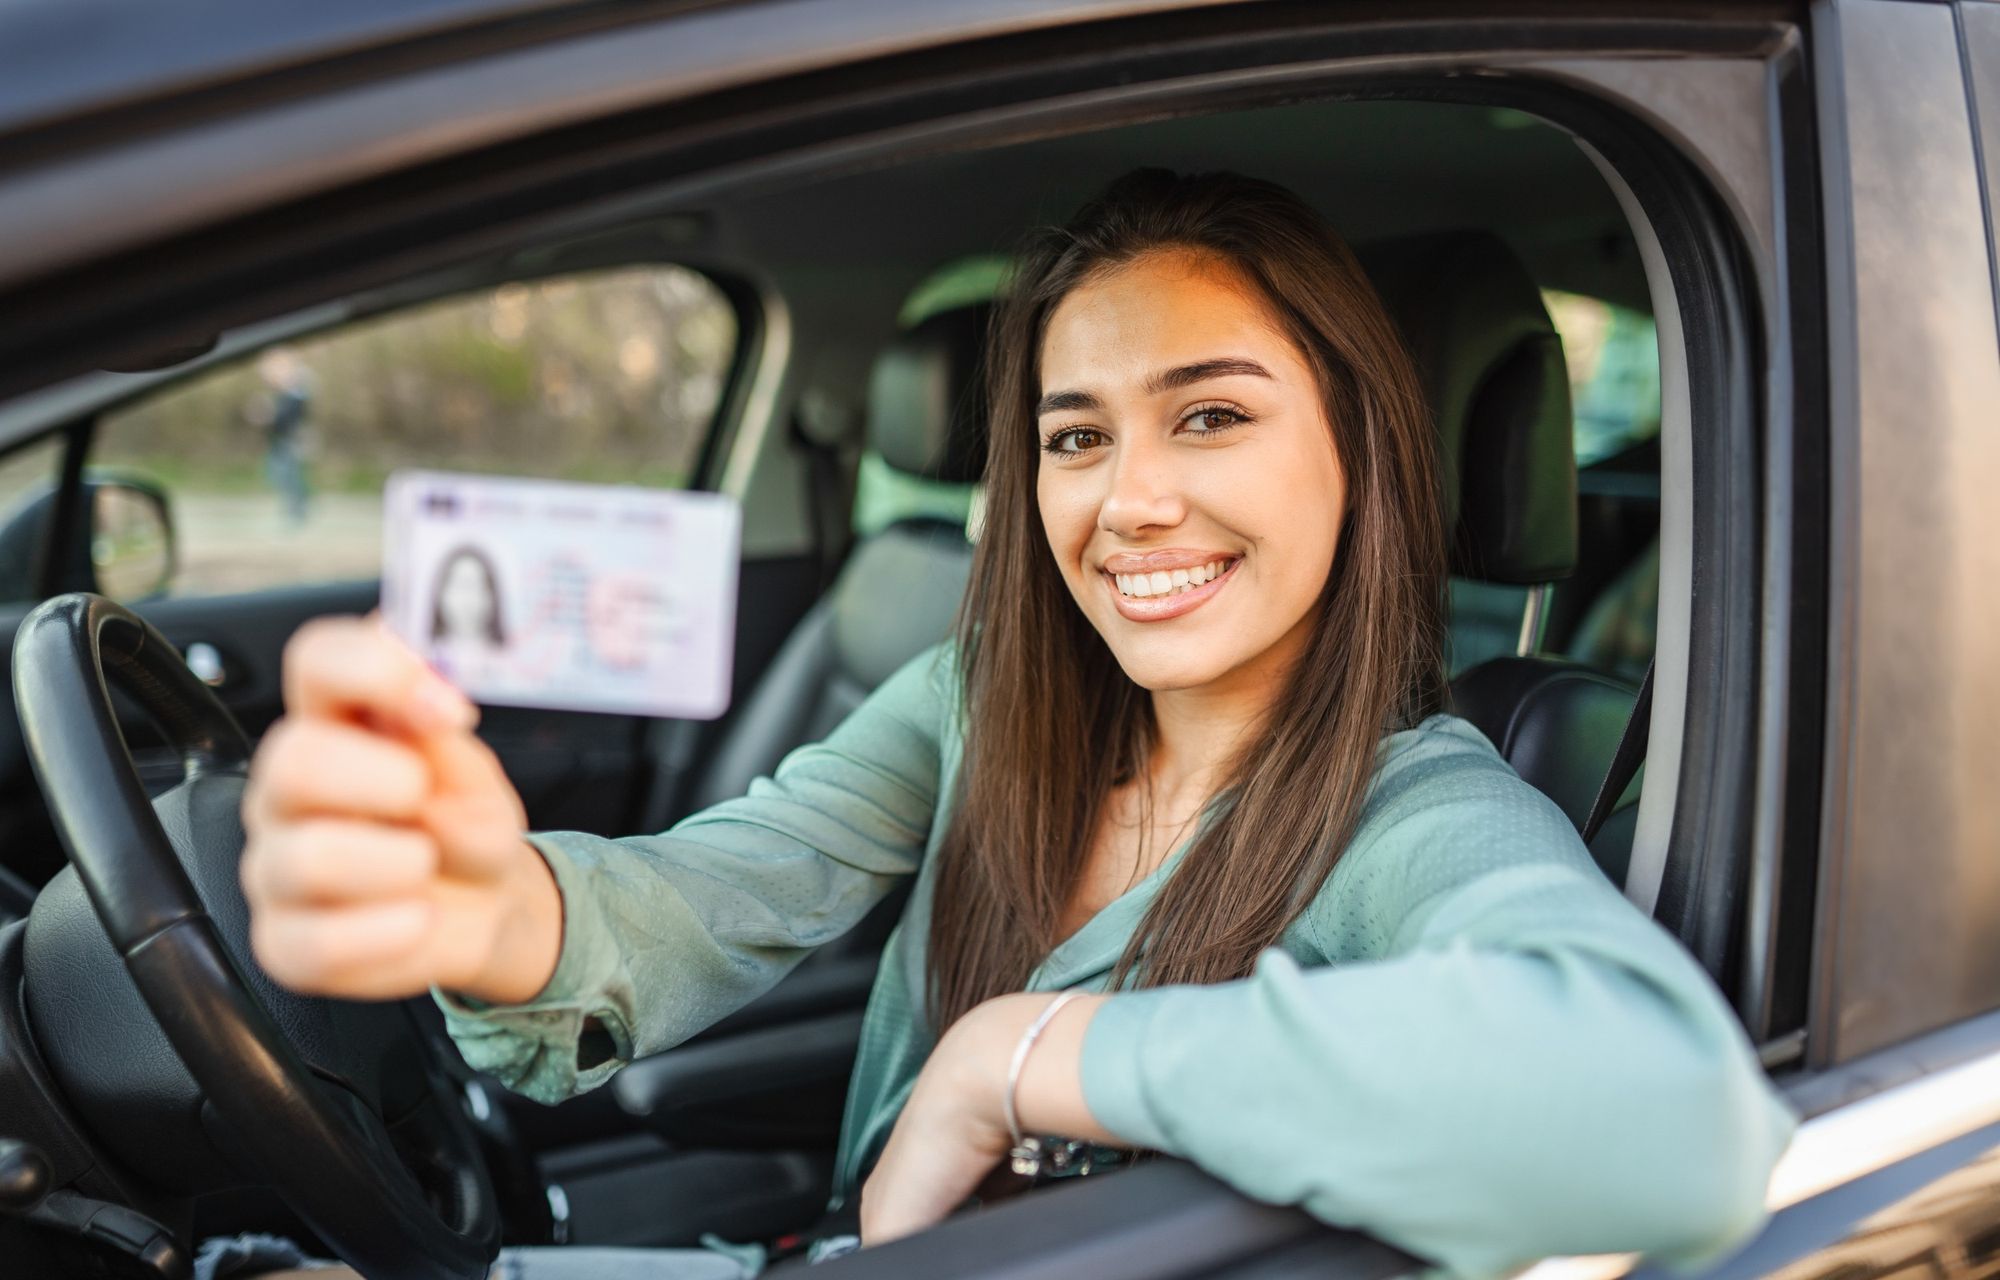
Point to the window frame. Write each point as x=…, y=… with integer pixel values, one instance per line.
x=1900, y=258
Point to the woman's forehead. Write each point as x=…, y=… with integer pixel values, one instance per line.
x=1124, y=324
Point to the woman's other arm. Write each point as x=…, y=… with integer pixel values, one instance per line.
x=1509, y=1062
x=1530, y=1068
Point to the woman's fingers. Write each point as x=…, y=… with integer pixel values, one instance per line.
x=473, y=809
x=386, y=848
x=349, y=668
x=333, y=861
x=307, y=766
x=371, y=951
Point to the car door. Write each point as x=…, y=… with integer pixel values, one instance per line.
x=1896, y=1170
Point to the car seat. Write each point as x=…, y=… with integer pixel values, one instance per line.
x=899, y=588
x=1492, y=366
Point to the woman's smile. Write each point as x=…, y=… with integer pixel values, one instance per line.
x=1157, y=585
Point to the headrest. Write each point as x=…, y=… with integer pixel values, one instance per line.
x=927, y=397
x=1492, y=366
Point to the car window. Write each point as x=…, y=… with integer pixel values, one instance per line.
x=1613, y=354
x=882, y=494
x=273, y=466
x=27, y=485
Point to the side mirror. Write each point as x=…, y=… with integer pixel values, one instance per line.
x=128, y=555
x=131, y=536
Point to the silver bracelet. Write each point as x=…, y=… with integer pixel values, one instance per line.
x=1028, y=1156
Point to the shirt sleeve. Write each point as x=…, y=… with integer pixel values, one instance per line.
x=1523, y=1066
x=664, y=935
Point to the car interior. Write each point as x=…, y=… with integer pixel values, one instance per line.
x=850, y=421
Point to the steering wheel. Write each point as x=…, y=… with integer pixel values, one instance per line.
x=191, y=1064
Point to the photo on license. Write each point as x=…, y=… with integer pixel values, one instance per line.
x=577, y=597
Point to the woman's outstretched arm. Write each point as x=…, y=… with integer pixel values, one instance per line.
x=664, y=935
x=387, y=857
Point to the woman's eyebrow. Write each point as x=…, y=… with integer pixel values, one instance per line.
x=1182, y=375
x=1067, y=402
x=1201, y=371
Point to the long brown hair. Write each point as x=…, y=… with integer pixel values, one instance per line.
x=1052, y=723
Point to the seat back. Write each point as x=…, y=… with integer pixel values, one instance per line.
x=1493, y=369
x=1492, y=366
x=898, y=591
x=1558, y=723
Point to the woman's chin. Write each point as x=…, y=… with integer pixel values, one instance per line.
x=1158, y=669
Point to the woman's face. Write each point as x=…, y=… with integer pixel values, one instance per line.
x=465, y=602
x=1188, y=482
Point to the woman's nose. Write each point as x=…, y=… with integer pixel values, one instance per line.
x=1143, y=492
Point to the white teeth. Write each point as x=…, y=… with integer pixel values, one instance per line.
x=1168, y=582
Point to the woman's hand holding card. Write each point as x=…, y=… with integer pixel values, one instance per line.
x=386, y=851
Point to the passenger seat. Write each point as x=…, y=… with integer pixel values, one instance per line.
x=895, y=596
x=898, y=591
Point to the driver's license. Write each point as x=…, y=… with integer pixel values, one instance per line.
x=581, y=597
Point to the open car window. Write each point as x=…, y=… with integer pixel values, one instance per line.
x=272, y=468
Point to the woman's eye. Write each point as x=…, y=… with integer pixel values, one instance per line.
x=1209, y=421
x=1071, y=441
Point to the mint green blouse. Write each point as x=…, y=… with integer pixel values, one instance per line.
x=1470, y=1044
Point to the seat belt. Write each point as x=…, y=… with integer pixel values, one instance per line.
x=1625, y=761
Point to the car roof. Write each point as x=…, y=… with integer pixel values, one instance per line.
x=1378, y=169
x=70, y=59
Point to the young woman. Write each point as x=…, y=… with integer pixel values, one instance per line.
x=1185, y=755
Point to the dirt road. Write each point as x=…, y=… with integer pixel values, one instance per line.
x=244, y=542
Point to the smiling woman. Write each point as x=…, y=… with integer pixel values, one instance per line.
x=1214, y=385
x=1200, y=867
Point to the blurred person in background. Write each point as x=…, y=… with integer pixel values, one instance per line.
x=283, y=413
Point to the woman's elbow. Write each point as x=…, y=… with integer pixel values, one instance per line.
x=1701, y=1182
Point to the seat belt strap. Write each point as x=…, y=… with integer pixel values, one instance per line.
x=1625, y=761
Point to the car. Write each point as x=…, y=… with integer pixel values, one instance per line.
x=1705, y=300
